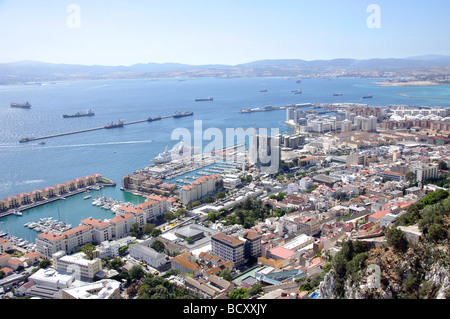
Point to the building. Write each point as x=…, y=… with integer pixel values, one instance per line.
x=103, y=289
x=228, y=248
x=185, y=263
x=77, y=237
x=252, y=245
x=48, y=244
x=200, y=188
x=78, y=264
x=145, y=253
x=425, y=172
x=5, y=245
x=121, y=225
x=265, y=152
x=101, y=231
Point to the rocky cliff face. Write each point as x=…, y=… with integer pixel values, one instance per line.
x=421, y=272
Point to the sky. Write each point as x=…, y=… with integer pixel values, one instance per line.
x=117, y=32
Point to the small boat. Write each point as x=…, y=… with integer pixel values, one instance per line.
x=87, y=197
x=41, y=143
x=18, y=213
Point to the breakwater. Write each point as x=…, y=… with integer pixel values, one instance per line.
x=30, y=139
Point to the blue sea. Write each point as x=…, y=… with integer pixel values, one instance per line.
x=116, y=152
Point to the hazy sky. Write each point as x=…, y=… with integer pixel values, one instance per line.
x=110, y=32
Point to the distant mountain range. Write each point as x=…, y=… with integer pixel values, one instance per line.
x=40, y=71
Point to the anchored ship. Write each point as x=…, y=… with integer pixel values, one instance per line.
x=25, y=105
x=204, y=99
x=114, y=125
x=175, y=153
x=178, y=114
x=79, y=114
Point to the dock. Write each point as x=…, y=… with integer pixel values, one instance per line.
x=31, y=139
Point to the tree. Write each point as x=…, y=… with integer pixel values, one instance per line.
x=88, y=250
x=168, y=216
x=44, y=263
x=240, y=293
x=116, y=263
x=443, y=165
x=411, y=178
x=220, y=195
x=135, y=230
x=148, y=228
x=436, y=232
x=396, y=239
x=180, y=212
x=136, y=272
x=156, y=232
x=226, y=274
x=158, y=246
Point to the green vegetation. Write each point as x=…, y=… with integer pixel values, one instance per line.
x=248, y=212
x=431, y=213
x=88, y=250
x=311, y=283
x=348, y=263
x=243, y=293
x=154, y=287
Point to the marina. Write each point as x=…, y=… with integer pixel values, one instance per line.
x=48, y=224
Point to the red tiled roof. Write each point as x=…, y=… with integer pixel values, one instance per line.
x=94, y=222
x=50, y=236
x=120, y=218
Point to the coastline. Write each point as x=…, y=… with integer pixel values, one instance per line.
x=410, y=83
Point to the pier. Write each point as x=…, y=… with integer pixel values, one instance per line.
x=31, y=139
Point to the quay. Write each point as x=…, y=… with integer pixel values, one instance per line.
x=30, y=139
x=24, y=202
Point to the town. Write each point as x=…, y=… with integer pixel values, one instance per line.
x=212, y=228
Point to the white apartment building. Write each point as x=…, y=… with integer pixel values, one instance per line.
x=121, y=225
x=78, y=263
x=144, y=252
x=103, y=289
x=200, y=188
x=77, y=237
x=101, y=230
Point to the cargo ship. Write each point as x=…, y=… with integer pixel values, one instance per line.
x=204, y=99
x=337, y=94
x=175, y=153
x=263, y=91
x=178, y=114
x=25, y=105
x=115, y=125
x=367, y=96
x=79, y=114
